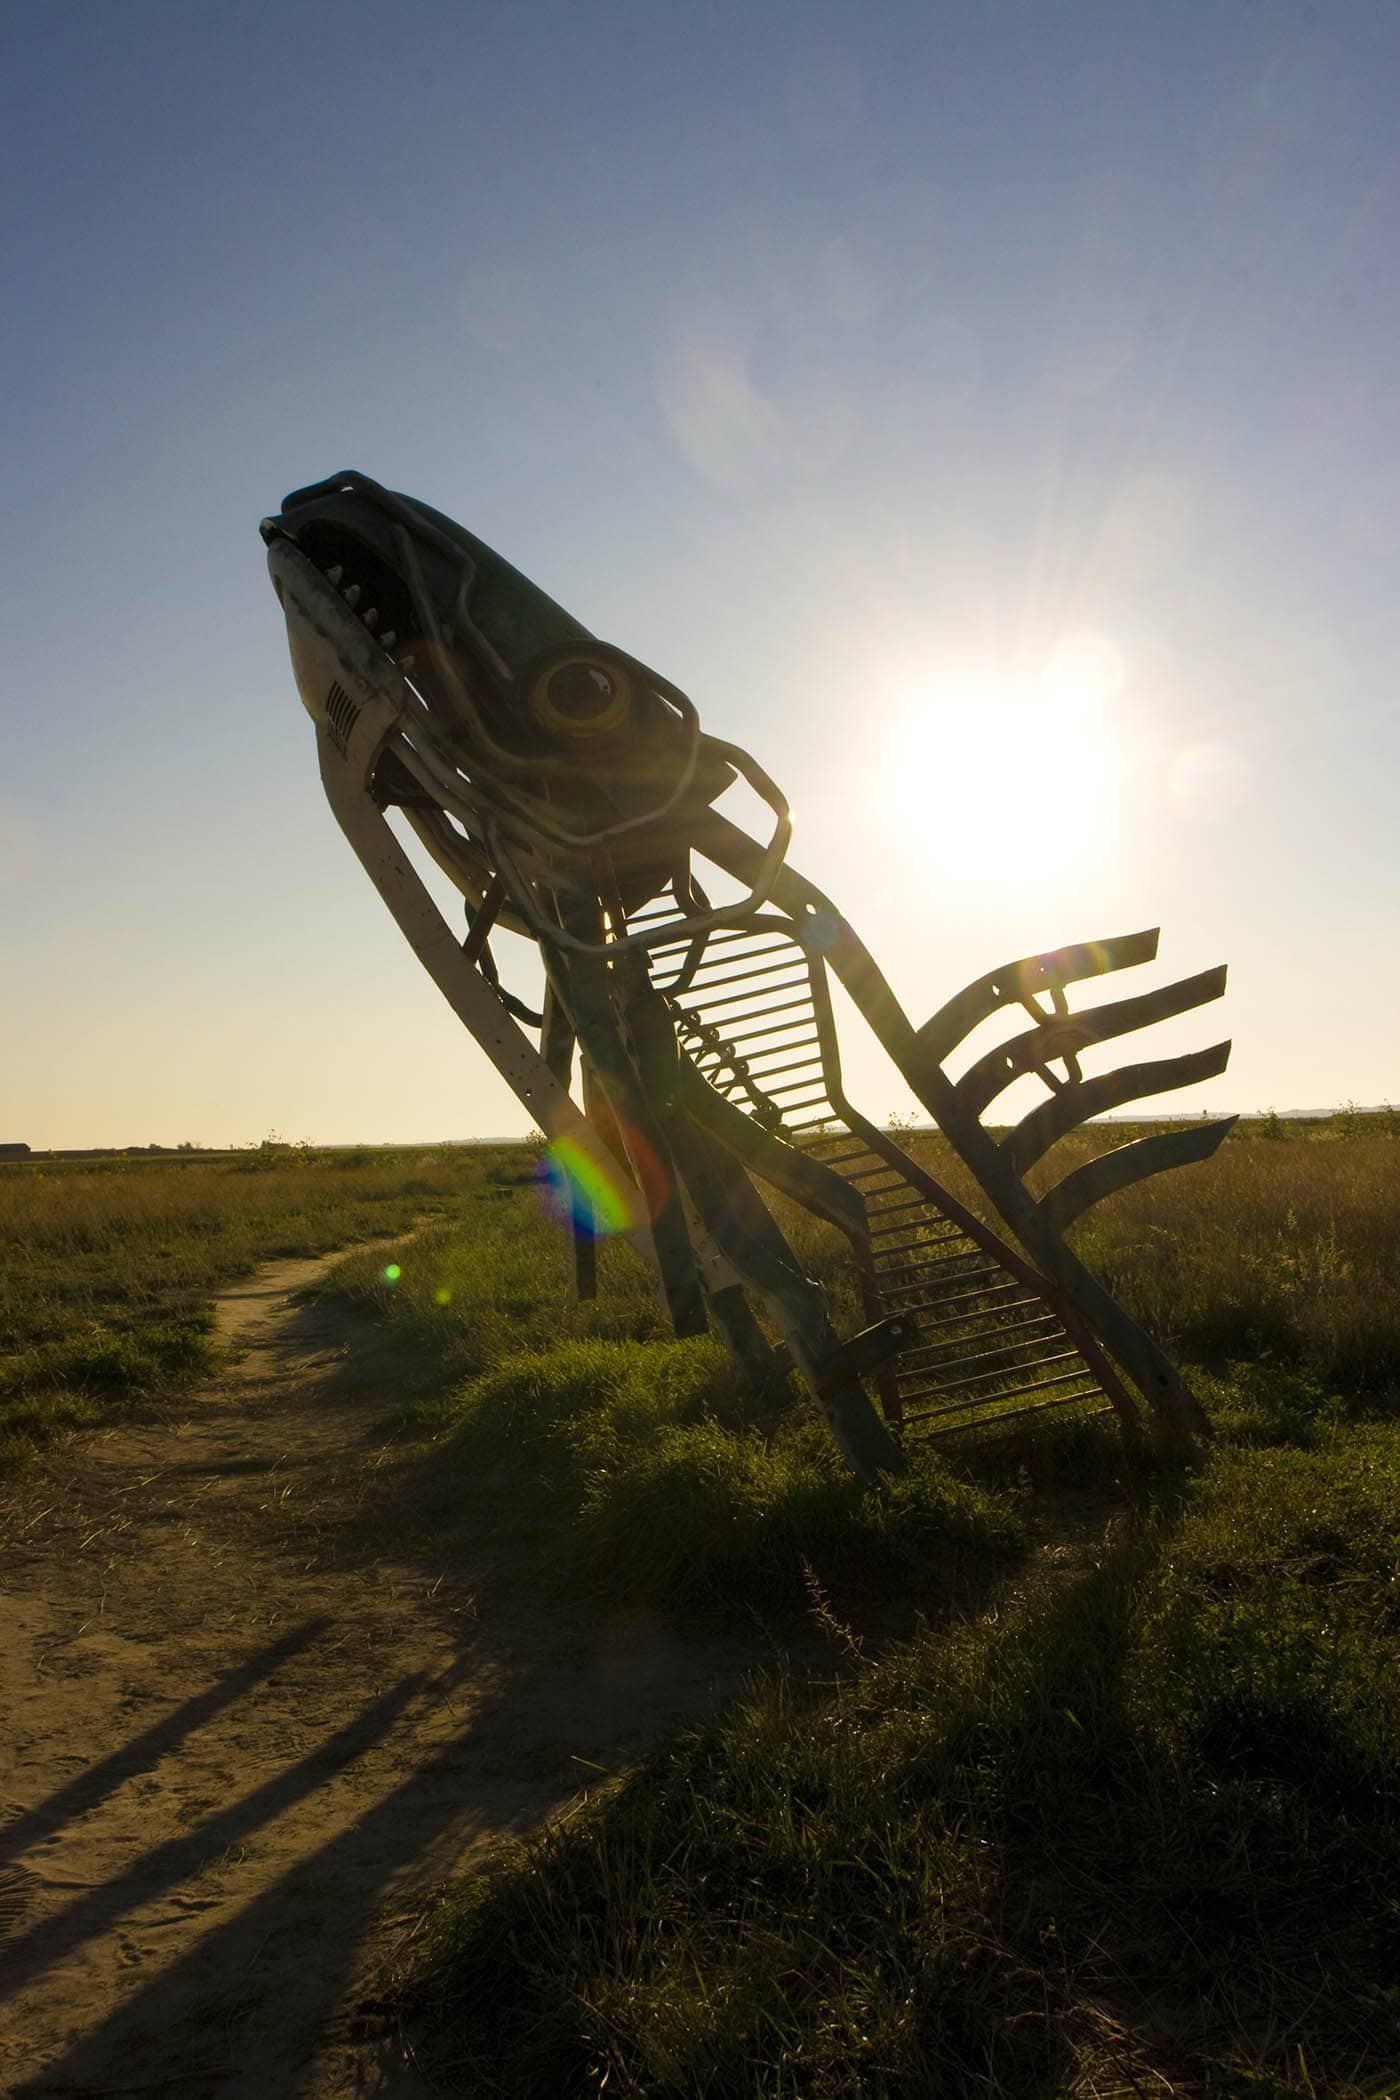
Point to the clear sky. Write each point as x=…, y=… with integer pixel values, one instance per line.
x=990, y=415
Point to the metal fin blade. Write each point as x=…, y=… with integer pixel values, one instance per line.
x=1066, y=1034
x=1065, y=1111
x=1116, y=1170
x=1016, y=981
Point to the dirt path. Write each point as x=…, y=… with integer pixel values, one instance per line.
x=234, y=1756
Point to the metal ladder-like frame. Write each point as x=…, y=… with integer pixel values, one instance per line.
x=753, y=1014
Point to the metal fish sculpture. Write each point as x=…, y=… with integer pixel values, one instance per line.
x=569, y=794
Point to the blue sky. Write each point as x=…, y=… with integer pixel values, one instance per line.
x=852, y=365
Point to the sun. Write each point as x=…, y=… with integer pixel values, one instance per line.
x=1007, y=778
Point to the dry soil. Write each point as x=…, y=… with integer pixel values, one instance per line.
x=238, y=1753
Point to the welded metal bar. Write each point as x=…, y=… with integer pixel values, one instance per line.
x=808, y=1181
x=985, y=1423
x=725, y=937
x=697, y=992
x=923, y=1231
x=931, y=1414
x=888, y=1210
x=742, y=999
x=978, y=1297
x=1006, y=1372
x=759, y=1012
x=939, y=1261
x=799, y=1064
x=758, y=1058
x=749, y=1035
x=910, y=1358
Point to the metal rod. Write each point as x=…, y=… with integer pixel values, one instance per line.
x=713, y=940
x=1007, y=1371
x=801, y=1042
x=798, y=1064
x=723, y=971
x=918, y=1226
x=760, y=1011
x=749, y=1035
x=888, y=1210
x=961, y=1406
x=714, y=1005
x=939, y=1261
x=1012, y=1414
x=907, y=1359
x=972, y=1298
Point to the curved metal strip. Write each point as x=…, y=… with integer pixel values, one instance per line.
x=1063, y=1112
x=1087, y=1185
x=1017, y=981
x=1066, y=1034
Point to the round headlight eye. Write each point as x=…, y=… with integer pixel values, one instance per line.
x=580, y=695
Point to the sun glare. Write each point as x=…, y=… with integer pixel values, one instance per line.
x=1013, y=778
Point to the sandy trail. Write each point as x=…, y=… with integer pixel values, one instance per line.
x=234, y=1756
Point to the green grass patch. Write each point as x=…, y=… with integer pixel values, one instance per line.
x=637, y=1467
x=111, y=1266
x=1140, y=1833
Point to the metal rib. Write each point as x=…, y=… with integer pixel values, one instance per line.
x=1068, y=1034
x=1021, y=980
x=1119, y=1169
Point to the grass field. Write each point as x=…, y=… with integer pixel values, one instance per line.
x=1120, y=1816
x=105, y=1299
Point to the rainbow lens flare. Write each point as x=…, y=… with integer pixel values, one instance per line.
x=579, y=1192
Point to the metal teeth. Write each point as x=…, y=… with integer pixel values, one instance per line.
x=351, y=595
x=334, y=575
x=371, y=618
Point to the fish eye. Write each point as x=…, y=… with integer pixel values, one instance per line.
x=580, y=694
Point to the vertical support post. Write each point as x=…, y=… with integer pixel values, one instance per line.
x=629, y=1094
x=557, y=1049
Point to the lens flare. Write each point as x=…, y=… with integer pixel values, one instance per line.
x=392, y=1273
x=578, y=1191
